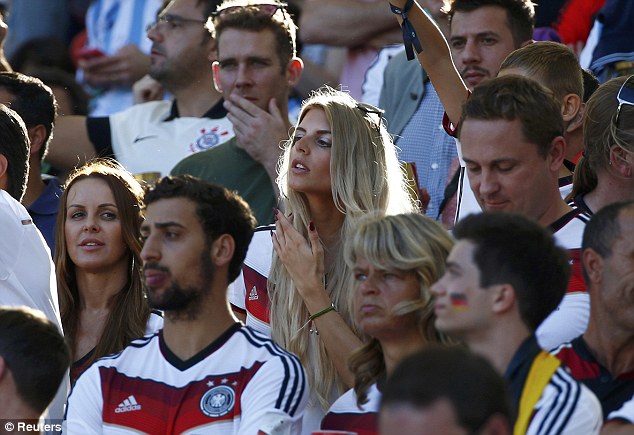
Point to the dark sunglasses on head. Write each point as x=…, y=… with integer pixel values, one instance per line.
x=625, y=96
x=265, y=9
x=369, y=108
x=372, y=110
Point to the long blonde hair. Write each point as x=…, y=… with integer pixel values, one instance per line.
x=407, y=242
x=130, y=311
x=365, y=176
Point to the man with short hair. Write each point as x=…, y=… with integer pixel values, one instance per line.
x=445, y=390
x=14, y=153
x=27, y=273
x=480, y=34
x=491, y=298
x=603, y=357
x=256, y=68
x=484, y=32
x=152, y=137
x=521, y=176
x=504, y=152
x=556, y=67
x=204, y=372
x=27, y=384
x=36, y=105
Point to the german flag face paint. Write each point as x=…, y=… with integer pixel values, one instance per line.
x=459, y=301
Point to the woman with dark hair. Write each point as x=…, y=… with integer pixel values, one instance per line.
x=395, y=260
x=99, y=279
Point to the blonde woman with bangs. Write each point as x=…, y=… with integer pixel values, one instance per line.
x=395, y=260
x=339, y=165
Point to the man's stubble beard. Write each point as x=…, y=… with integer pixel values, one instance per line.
x=185, y=303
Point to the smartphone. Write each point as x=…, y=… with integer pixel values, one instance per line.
x=87, y=53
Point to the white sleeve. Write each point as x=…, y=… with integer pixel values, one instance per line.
x=84, y=410
x=625, y=412
x=567, y=322
x=566, y=407
x=373, y=78
x=275, y=399
x=238, y=293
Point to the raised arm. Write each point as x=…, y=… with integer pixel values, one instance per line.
x=436, y=59
x=70, y=144
x=304, y=261
x=343, y=23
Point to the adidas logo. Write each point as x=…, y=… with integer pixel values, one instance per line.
x=129, y=404
x=253, y=295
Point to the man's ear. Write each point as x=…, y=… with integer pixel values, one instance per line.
x=557, y=153
x=592, y=264
x=294, y=71
x=215, y=66
x=503, y=297
x=222, y=250
x=3, y=368
x=37, y=136
x=572, y=112
x=4, y=165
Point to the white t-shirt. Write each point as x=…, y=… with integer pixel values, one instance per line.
x=27, y=274
x=143, y=141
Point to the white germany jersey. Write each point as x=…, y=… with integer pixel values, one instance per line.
x=240, y=384
x=346, y=415
x=566, y=407
x=143, y=141
x=570, y=318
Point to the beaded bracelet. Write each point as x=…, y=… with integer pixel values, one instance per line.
x=409, y=34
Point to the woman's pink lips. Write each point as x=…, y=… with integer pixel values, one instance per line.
x=368, y=308
x=296, y=169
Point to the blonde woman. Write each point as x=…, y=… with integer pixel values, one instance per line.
x=395, y=260
x=339, y=165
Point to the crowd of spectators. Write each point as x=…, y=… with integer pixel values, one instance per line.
x=369, y=216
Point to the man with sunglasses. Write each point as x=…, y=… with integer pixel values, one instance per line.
x=154, y=136
x=256, y=68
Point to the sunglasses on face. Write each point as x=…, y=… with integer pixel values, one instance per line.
x=268, y=9
x=625, y=96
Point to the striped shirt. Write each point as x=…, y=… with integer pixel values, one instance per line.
x=239, y=384
x=564, y=407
